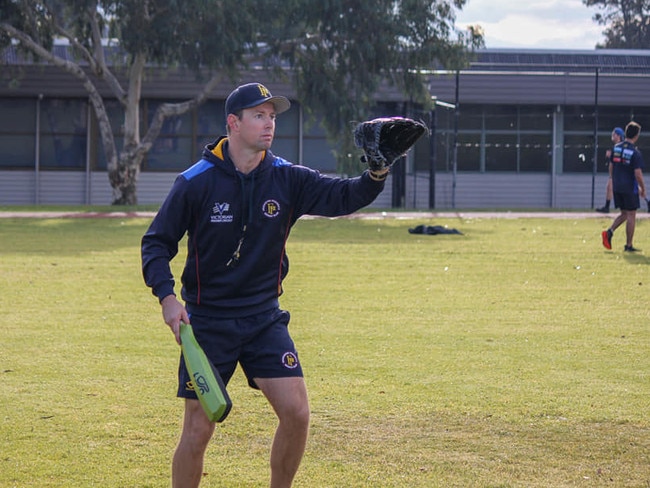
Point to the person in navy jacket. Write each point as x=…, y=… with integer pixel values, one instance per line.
x=626, y=171
x=237, y=206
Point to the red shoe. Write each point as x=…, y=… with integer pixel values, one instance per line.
x=607, y=238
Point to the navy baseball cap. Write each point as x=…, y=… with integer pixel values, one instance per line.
x=252, y=95
x=620, y=132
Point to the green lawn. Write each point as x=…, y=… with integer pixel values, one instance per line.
x=514, y=355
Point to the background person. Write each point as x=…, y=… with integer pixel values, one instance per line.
x=618, y=135
x=237, y=206
x=626, y=171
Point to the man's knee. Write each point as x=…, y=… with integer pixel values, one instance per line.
x=299, y=415
x=295, y=414
x=288, y=396
x=197, y=428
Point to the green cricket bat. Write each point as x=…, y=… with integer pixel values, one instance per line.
x=207, y=382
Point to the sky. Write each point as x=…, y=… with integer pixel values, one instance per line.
x=533, y=24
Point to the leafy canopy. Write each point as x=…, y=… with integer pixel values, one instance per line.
x=627, y=22
x=337, y=54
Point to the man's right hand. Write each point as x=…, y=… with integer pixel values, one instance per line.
x=173, y=314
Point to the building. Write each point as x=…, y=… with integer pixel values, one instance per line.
x=517, y=129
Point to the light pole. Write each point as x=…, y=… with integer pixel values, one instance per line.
x=433, y=121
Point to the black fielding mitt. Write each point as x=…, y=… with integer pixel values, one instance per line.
x=386, y=139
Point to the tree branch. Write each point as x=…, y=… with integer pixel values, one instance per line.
x=102, y=69
x=167, y=110
x=76, y=71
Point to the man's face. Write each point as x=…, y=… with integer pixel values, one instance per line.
x=257, y=126
x=616, y=138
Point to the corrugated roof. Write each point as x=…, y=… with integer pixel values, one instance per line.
x=606, y=60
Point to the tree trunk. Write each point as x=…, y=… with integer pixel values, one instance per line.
x=124, y=180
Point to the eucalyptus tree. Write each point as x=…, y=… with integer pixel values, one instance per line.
x=626, y=22
x=336, y=53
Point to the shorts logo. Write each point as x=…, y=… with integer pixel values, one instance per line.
x=290, y=360
x=271, y=208
x=221, y=213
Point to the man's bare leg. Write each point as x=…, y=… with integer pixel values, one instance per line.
x=187, y=465
x=620, y=218
x=288, y=397
x=630, y=225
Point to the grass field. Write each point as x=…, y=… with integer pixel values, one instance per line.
x=514, y=355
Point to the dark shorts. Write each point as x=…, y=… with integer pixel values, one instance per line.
x=626, y=201
x=260, y=344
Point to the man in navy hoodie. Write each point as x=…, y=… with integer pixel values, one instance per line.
x=237, y=206
x=626, y=171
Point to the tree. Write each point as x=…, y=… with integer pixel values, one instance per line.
x=342, y=51
x=627, y=22
x=336, y=53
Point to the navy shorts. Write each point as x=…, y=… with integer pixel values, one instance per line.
x=626, y=201
x=260, y=344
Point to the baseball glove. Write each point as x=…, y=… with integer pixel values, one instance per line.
x=385, y=140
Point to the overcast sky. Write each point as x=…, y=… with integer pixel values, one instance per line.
x=535, y=24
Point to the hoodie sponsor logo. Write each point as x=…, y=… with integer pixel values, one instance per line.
x=221, y=213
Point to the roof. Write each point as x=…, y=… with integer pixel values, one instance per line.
x=628, y=61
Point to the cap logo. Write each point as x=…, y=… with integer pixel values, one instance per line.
x=264, y=91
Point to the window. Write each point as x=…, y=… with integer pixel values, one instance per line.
x=17, y=137
x=173, y=148
x=285, y=142
x=470, y=117
x=444, y=138
x=535, y=118
x=421, y=154
x=641, y=116
x=610, y=117
x=515, y=138
x=210, y=125
x=535, y=152
x=317, y=152
x=64, y=124
x=444, y=150
x=604, y=144
x=578, y=153
x=578, y=118
x=501, y=152
x=469, y=152
x=501, y=117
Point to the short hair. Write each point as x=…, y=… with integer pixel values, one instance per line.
x=237, y=114
x=632, y=130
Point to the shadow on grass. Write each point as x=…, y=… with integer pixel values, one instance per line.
x=636, y=258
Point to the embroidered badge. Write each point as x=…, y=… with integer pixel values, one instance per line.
x=271, y=208
x=221, y=213
x=290, y=360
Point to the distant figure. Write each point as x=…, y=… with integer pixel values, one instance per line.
x=625, y=171
x=618, y=135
